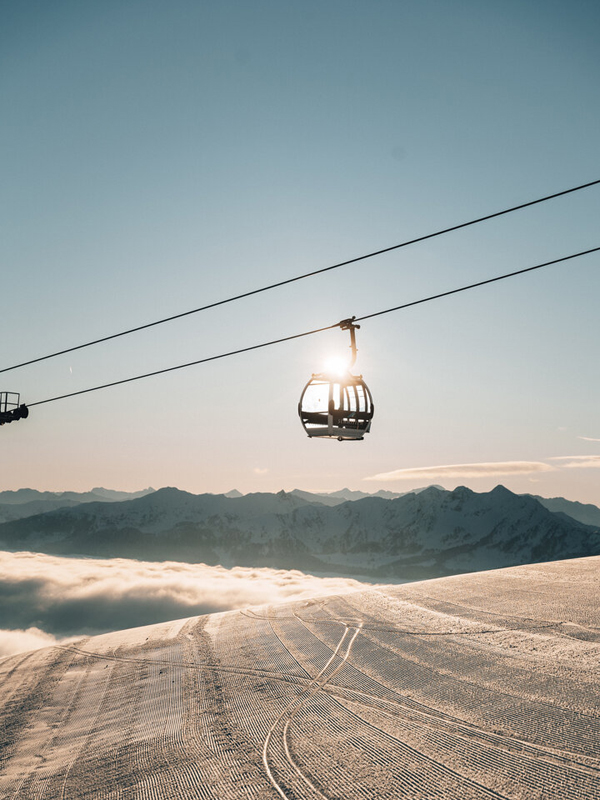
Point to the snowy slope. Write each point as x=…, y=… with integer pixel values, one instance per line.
x=478, y=686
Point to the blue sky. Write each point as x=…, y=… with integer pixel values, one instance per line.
x=160, y=156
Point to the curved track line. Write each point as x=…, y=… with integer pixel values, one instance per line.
x=293, y=708
x=305, y=700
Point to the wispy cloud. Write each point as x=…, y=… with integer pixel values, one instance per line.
x=46, y=596
x=260, y=470
x=578, y=462
x=482, y=469
x=588, y=439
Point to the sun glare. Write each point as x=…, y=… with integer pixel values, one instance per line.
x=336, y=365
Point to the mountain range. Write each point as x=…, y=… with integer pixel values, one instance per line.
x=430, y=533
x=27, y=502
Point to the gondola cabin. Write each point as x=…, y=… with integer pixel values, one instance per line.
x=336, y=407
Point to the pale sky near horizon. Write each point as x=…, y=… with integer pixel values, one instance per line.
x=160, y=156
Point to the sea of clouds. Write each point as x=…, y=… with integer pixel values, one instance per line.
x=46, y=599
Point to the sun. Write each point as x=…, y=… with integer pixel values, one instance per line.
x=336, y=365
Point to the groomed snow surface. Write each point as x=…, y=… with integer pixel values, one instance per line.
x=475, y=686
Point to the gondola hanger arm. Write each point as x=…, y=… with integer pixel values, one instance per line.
x=349, y=325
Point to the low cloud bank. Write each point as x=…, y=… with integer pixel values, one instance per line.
x=17, y=641
x=43, y=597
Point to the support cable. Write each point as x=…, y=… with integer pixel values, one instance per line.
x=301, y=277
x=318, y=330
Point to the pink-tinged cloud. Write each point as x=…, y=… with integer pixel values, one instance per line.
x=588, y=439
x=482, y=469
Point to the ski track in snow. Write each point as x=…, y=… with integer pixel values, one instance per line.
x=290, y=712
x=482, y=687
